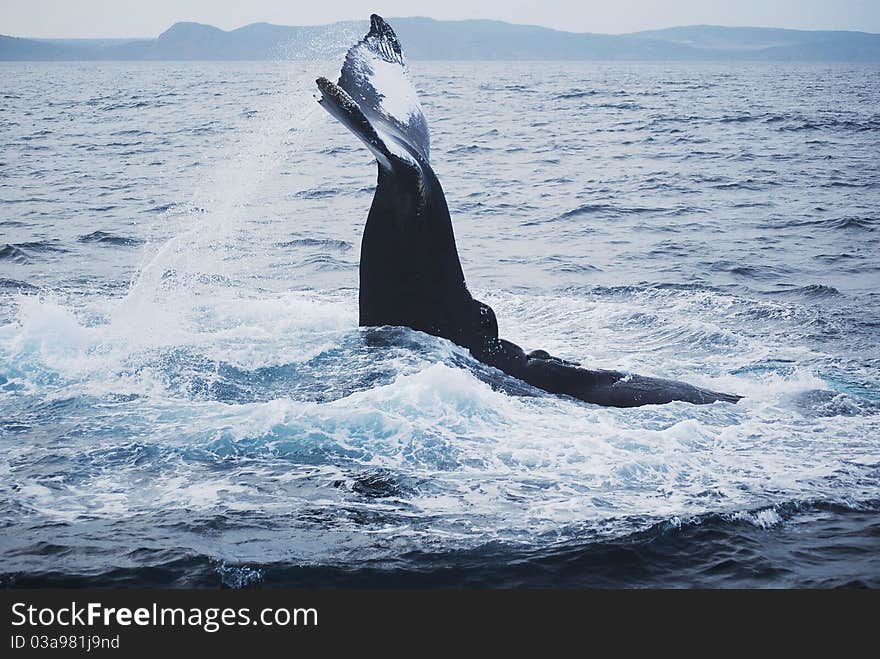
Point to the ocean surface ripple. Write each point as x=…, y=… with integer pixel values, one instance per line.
x=186, y=398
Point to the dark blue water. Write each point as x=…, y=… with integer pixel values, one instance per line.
x=186, y=398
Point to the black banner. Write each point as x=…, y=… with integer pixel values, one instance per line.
x=134, y=622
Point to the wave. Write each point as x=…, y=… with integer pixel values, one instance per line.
x=28, y=251
x=162, y=208
x=810, y=290
x=106, y=238
x=854, y=125
x=520, y=88
x=577, y=93
x=598, y=209
x=318, y=193
x=858, y=223
x=469, y=149
x=13, y=253
x=134, y=104
x=794, y=122
x=849, y=400
x=762, y=548
x=763, y=272
x=626, y=105
x=341, y=245
x=16, y=285
x=325, y=263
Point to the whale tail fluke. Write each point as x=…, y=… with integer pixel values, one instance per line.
x=410, y=273
x=375, y=99
x=342, y=106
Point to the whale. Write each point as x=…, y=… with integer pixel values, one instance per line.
x=410, y=274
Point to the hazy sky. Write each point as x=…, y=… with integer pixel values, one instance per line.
x=147, y=18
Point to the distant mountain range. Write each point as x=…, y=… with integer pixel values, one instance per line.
x=425, y=38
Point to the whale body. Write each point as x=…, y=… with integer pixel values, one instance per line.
x=410, y=272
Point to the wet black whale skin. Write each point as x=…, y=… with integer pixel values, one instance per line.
x=410, y=272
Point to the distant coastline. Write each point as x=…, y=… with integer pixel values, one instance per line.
x=431, y=39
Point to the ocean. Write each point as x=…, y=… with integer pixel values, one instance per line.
x=186, y=399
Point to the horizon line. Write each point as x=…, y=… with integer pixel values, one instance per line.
x=441, y=20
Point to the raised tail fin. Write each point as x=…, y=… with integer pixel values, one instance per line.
x=338, y=103
x=375, y=99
